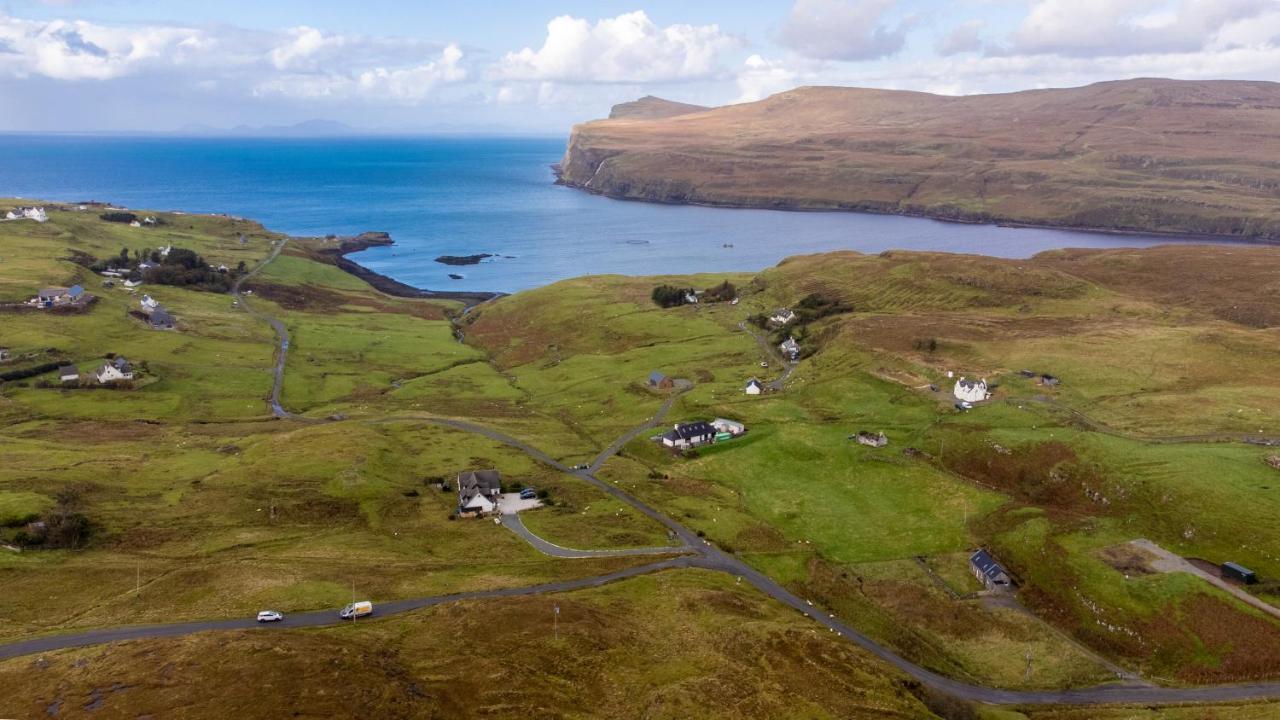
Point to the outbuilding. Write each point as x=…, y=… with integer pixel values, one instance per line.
x=1239, y=573
x=658, y=381
x=68, y=374
x=986, y=569
x=161, y=319
x=5, y=355
x=754, y=387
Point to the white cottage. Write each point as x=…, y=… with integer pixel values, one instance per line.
x=971, y=390
x=782, y=316
x=754, y=387
x=790, y=348
x=118, y=370
x=149, y=304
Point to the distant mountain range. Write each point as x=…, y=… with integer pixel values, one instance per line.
x=1153, y=155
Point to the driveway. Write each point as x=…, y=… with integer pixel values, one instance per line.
x=1167, y=562
x=510, y=504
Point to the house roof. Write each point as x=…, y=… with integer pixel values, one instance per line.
x=689, y=431
x=478, y=482
x=161, y=317
x=755, y=382
x=122, y=365
x=656, y=377
x=987, y=565
x=75, y=291
x=68, y=370
x=970, y=384
x=52, y=291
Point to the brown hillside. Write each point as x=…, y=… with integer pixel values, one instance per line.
x=650, y=108
x=1148, y=155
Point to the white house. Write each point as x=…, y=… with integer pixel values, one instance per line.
x=971, y=390
x=691, y=298
x=27, y=213
x=790, y=348
x=685, y=435
x=478, y=491
x=754, y=387
x=149, y=304
x=118, y=370
x=782, y=316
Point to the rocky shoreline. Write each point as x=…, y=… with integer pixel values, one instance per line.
x=946, y=215
x=356, y=243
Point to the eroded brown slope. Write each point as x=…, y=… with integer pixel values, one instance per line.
x=1147, y=155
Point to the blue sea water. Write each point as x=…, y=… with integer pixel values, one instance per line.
x=461, y=196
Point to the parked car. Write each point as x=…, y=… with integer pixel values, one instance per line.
x=964, y=405
x=270, y=616
x=356, y=610
x=528, y=494
x=764, y=364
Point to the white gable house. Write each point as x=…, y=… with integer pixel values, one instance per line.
x=754, y=387
x=118, y=370
x=971, y=390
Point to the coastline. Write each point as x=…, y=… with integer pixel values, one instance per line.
x=961, y=219
x=383, y=283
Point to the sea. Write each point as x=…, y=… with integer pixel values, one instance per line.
x=469, y=195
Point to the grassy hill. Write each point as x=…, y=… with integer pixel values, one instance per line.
x=196, y=502
x=1166, y=156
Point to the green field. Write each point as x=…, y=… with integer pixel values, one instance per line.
x=182, y=497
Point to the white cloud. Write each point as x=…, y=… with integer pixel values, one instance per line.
x=1091, y=28
x=64, y=50
x=629, y=48
x=400, y=85
x=966, y=37
x=760, y=78
x=842, y=30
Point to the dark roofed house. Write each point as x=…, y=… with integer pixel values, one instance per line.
x=50, y=296
x=1239, y=573
x=478, y=491
x=986, y=569
x=660, y=381
x=160, y=319
x=68, y=374
x=1049, y=380
x=686, y=435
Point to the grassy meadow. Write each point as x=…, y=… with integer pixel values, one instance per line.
x=197, y=503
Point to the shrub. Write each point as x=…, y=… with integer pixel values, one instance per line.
x=669, y=296
x=724, y=292
x=119, y=217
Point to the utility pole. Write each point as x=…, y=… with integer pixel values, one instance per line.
x=556, y=622
x=137, y=577
x=1028, y=674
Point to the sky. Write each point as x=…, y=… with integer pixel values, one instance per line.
x=539, y=66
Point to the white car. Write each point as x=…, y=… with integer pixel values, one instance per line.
x=270, y=616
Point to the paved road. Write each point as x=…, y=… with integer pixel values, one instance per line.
x=320, y=618
x=773, y=354
x=713, y=558
x=681, y=386
x=517, y=526
x=705, y=556
x=282, y=333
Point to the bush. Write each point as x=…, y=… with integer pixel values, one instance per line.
x=670, y=296
x=119, y=217
x=32, y=371
x=724, y=292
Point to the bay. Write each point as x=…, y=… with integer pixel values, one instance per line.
x=469, y=195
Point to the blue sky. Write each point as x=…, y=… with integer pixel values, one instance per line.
x=77, y=65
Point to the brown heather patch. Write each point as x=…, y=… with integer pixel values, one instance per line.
x=1046, y=474
x=325, y=301
x=1248, y=647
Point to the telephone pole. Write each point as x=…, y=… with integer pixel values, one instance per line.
x=556, y=622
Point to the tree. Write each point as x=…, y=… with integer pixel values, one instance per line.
x=670, y=296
